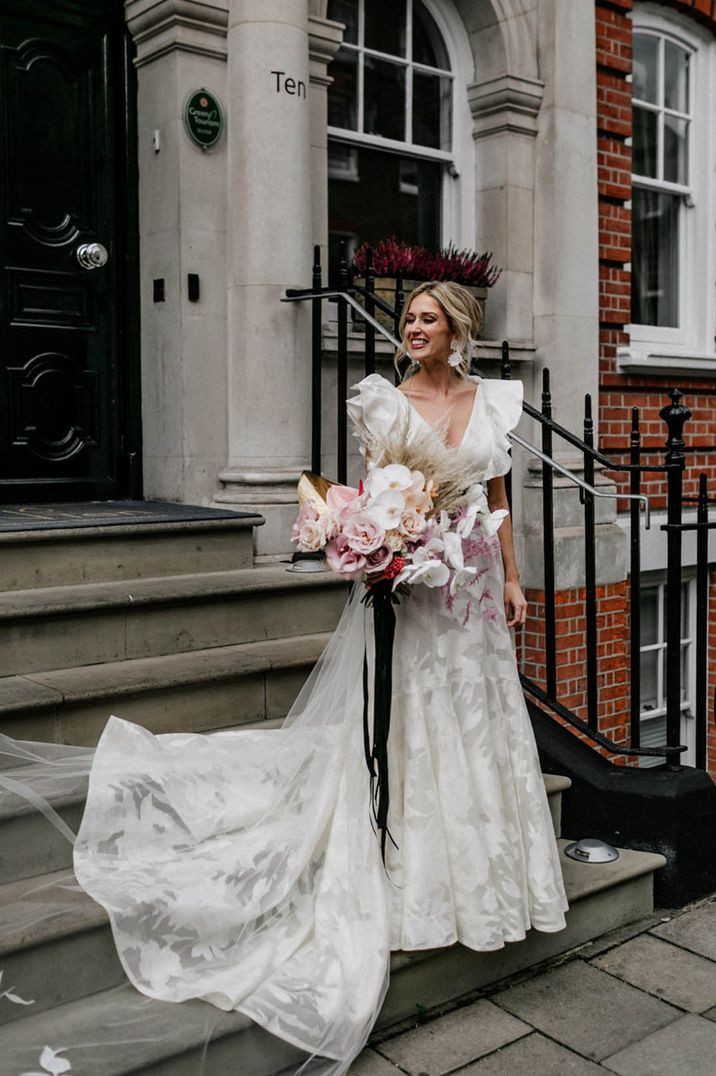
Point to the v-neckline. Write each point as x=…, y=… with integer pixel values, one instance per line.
x=425, y=422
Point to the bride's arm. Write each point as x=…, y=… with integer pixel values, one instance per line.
x=515, y=604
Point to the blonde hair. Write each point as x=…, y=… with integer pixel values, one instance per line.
x=463, y=313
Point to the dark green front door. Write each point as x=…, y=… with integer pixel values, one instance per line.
x=66, y=336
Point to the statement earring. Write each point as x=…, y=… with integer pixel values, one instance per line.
x=455, y=356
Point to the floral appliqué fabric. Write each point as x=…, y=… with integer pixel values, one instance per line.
x=241, y=867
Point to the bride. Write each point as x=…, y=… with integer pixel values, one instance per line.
x=242, y=867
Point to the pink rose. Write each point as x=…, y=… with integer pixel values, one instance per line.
x=305, y=513
x=338, y=497
x=341, y=558
x=310, y=536
x=379, y=559
x=363, y=532
x=412, y=524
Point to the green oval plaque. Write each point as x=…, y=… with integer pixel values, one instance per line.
x=203, y=118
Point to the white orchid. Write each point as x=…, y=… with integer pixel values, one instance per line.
x=394, y=477
x=491, y=523
x=431, y=572
x=387, y=508
x=453, y=550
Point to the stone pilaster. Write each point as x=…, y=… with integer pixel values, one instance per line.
x=324, y=40
x=566, y=293
x=268, y=250
x=181, y=46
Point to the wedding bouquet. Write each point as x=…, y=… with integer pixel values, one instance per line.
x=400, y=526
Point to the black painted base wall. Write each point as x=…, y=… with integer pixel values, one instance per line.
x=652, y=810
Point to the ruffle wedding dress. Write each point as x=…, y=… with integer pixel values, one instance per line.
x=242, y=867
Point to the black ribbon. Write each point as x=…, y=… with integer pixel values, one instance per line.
x=381, y=598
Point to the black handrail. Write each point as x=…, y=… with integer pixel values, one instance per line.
x=366, y=305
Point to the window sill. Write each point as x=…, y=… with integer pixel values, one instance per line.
x=632, y=360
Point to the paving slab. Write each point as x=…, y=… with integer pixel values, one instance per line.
x=586, y=1009
x=686, y=1047
x=674, y=974
x=695, y=930
x=533, y=1055
x=370, y=1063
x=454, y=1040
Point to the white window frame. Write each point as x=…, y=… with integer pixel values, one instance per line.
x=650, y=580
x=692, y=345
x=457, y=206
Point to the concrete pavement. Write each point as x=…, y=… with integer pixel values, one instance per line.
x=640, y=1001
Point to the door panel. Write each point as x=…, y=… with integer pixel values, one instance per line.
x=64, y=365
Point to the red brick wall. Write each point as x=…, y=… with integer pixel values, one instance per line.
x=612, y=653
x=619, y=392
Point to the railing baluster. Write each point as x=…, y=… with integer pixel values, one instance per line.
x=342, y=376
x=316, y=318
x=674, y=415
x=505, y=374
x=590, y=571
x=550, y=619
x=635, y=584
x=399, y=300
x=702, y=613
x=370, y=309
x=505, y=364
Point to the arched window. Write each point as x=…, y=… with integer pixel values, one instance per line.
x=390, y=124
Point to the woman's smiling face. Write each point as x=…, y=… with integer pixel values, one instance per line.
x=427, y=331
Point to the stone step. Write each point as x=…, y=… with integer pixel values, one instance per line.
x=602, y=897
x=94, y=623
x=248, y=686
x=64, y=556
x=37, y=956
x=192, y=691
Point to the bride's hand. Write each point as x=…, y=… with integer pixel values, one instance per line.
x=515, y=604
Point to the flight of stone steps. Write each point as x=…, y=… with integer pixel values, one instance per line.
x=168, y=625
x=175, y=628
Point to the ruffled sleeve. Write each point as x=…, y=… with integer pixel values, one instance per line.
x=374, y=410
x=503, y=406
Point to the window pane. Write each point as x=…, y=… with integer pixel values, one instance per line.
x=428, y=45
x=645, y=66
x=685, y=694
x=676, y=77
x=649, y=607
x=655, y=244
x=343, y=92
x=432, y=98
x=645, y=142
x=384, y=195
x=685, y=611
x=649, y=684
x=345, y=11
x=385, y=26
x=384, y=99
x=675, y=149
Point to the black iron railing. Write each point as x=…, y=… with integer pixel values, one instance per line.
x=364, y=305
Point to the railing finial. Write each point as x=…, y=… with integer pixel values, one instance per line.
x=675, y=415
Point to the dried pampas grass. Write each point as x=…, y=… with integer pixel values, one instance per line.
x=453, y=470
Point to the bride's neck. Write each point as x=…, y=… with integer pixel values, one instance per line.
x=437, y=378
